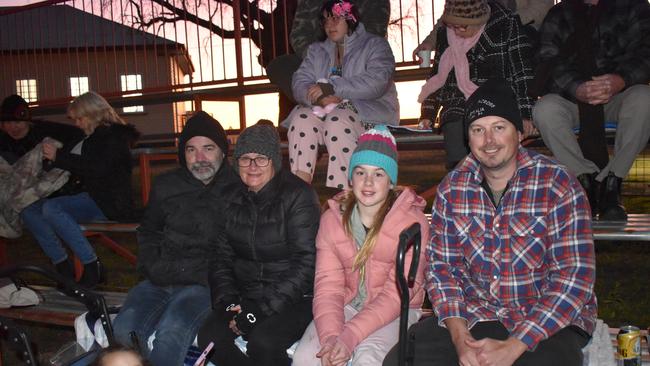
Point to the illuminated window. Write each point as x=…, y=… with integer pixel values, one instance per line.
x=132, y=82
x=78, y=85
x=26, y=88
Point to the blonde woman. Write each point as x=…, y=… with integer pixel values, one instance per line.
x=356, y=301
x=100, y=167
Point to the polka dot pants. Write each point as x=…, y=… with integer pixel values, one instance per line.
x=338, y=132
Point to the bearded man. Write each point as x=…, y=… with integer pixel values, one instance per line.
x=177, y=245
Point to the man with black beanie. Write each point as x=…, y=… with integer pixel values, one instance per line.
x=177, y=245
x=511, y=263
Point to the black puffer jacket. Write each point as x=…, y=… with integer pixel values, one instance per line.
x=178, y=234
x=270, y=252
x=104, y=168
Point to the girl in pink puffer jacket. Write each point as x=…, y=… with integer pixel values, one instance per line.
x=356, y=300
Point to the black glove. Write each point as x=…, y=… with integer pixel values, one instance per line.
x=225, y=307
x=249, y=317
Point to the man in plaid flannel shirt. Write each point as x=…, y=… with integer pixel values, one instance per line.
x=511, y=262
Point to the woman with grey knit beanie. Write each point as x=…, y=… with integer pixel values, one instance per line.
x=262, y=284
x=257, y=156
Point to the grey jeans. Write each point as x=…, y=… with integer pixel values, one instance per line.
x=555, y=117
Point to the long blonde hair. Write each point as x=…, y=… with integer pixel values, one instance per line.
x=348, y=203
x=94, y=107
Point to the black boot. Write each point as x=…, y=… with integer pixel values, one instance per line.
x=66, y=269
x=610, y=199
x=93, y=274
x=590, y=184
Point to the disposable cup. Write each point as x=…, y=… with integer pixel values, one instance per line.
x=425, y=55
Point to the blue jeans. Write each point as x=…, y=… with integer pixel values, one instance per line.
x=52, y=218
x=175, y=313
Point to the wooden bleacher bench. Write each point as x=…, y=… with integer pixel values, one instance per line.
x=57, y=308
x=95, y=230
x=146, y=155
x=63, y=305
x=636, y=228
x=110, y=227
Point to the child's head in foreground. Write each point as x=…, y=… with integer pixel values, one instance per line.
x=118, y=355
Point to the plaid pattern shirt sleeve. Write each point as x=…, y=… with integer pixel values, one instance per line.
x=528, y=263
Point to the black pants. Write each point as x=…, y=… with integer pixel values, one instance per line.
x=433, y=345
x=267, y=342
x=455, y=145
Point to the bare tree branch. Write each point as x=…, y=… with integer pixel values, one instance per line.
x=184, y=14
x=266, y=29
x=174, y=14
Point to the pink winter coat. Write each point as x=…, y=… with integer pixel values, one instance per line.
x=336, y=284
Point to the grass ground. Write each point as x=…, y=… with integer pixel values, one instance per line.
x=622, y=267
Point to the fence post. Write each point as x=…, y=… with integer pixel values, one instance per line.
x=238, y=59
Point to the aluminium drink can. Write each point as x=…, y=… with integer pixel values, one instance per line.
x=629, y=346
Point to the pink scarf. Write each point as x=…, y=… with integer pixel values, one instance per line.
x=455, y=56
